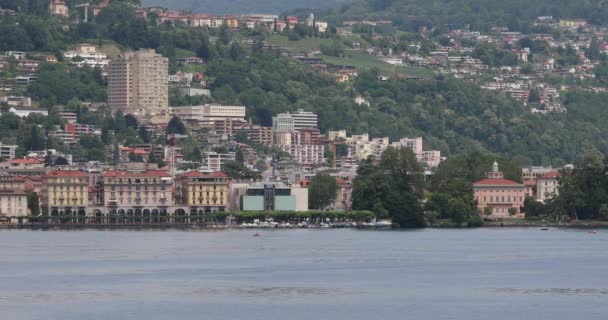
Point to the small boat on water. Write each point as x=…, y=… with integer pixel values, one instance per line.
x=592, y=231
x=544, y=229
x=256, y=234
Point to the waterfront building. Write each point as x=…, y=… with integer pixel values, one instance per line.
x=294, y=121
x=274, y=197
x=138, y=84
x=547, y=186
x=133, y=190
x=202, y=192
x=344, y=196
x=499, y=197
x=65, y=193
x=13, y=197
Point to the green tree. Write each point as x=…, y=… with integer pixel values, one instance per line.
x=394, y=188
x=176, y=126
x=322, y=191
x=33, y=203
x=133, y=157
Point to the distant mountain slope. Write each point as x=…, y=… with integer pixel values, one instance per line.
x=480, y=14
x=242, y=6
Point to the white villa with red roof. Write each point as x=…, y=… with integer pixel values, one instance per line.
x=546, y=186
x=499, y=194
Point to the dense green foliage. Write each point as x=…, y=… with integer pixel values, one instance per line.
x=57, y=84
x=452, y=115
x=452, y=186
x=242, y=6
x=479, y=14
x=583, y=193
x=392, y=189
x=322, y=191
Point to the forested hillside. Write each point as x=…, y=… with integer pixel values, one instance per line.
x=242, y=6
x=452, y=115
x=480, y=14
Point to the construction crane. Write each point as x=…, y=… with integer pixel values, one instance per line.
x=86, y=10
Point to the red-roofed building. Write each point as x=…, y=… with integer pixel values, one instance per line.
x=496, y=196
x=547, y=186
x=13, y=198
x=65, y=193
x=24, y=167
x=530, y=188
x=137, y=196
x=20, y=162
x=202, y=192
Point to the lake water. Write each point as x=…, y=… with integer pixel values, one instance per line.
x=304, y=274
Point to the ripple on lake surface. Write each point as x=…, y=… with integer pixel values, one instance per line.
x=303, y=274
x=553, y=291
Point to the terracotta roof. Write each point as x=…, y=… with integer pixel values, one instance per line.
x=66, y=173
x=149, y=173
x=497, y=182
x=140, y=151
x=530, y=182
x=550, y=175
x=194, y=173
x=25, y=161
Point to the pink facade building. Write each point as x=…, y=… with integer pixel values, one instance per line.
x=499, y=197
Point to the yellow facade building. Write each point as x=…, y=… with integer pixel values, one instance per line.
x=202, y=192
x=64, y=193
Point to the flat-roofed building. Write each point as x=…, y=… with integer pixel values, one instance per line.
x=274, y=197
x=294, y=121
x=215, y=160
x=207, y=115
x=138, y=84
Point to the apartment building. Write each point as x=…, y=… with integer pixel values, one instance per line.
x=202, y=192
x=305, y=154
x=294, y=121
x=215, y=160
x=138, y=84
x=137, y=190
x=64, y=193
x=208, y=114
x=13, y=197
x=72, y=132
x=7, y=151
